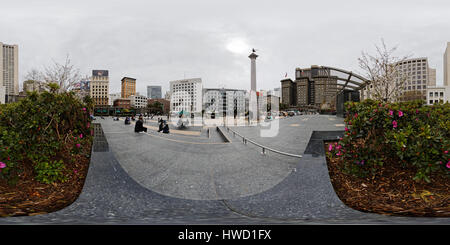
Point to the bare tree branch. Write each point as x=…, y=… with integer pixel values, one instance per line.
x=65, y=75
x=387, y=81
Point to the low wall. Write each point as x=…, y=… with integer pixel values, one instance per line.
x=223, y=135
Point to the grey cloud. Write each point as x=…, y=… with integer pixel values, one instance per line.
x=159, y=41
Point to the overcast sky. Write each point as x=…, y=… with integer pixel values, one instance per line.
x=159, y=41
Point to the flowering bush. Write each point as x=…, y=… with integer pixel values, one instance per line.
x=36, y=131
x=410, y=134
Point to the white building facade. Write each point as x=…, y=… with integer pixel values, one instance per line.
x=220, y=102
x=438, y=94
x=186, y=96
x=113, y=97
x=138, y=101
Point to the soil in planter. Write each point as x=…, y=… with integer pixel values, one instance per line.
x=393, y=191
x=29, y=197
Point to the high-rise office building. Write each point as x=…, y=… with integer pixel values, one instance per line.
x=447, y=65
x=186, y=95
x=417, y=75
x=431, y=77
x=312, y=87
x=128, y=87
x=154, y=92
x=2, y=94
x=99, y=87
x=224, y=102
x=9, y=70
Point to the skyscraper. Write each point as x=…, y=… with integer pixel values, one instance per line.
x=417, y=75
x=128, y=87
x=9, y=69
x=447, y=65
x=99, y=87
x=186, y=95
x=154, y=92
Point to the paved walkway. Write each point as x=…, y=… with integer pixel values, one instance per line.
x=291, y=134
x=144, y=188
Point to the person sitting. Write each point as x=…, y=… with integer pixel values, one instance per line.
x=139, y=127
x=127, y=120
x=166, y=128
x=161, y=125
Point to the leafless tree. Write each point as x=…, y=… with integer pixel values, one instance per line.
x=65, y=75
x=387, y=81
x=34, y=75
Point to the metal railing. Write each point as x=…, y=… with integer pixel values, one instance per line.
x=264, y=148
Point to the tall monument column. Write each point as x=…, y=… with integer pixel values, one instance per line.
x=253, y=100
x=252, y=57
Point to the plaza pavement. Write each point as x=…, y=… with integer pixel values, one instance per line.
x=176, y=179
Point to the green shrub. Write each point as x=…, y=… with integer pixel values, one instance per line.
x=410, y=134
x=50, y=171
x=41, y=127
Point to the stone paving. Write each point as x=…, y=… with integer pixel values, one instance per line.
x=143, y=179
x=292, y=134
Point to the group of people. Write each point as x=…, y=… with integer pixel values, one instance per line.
x=139, y=126
x=163, y=126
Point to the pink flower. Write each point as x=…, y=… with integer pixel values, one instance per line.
x=339, y=153
x=330, y=147
x=339, y=147
x=362, y=162
x=75, y=171
x=78, y=145
x=417, y=111
x=448, y=164
x=84, y=109
x=400, y=113
x=9, y=158
x=356, y=114
x=391, y=113
x=2, y=165
x=394, y=124
x=81, y=136
x=445, y=152
x=88, y=125
x=346, y=129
